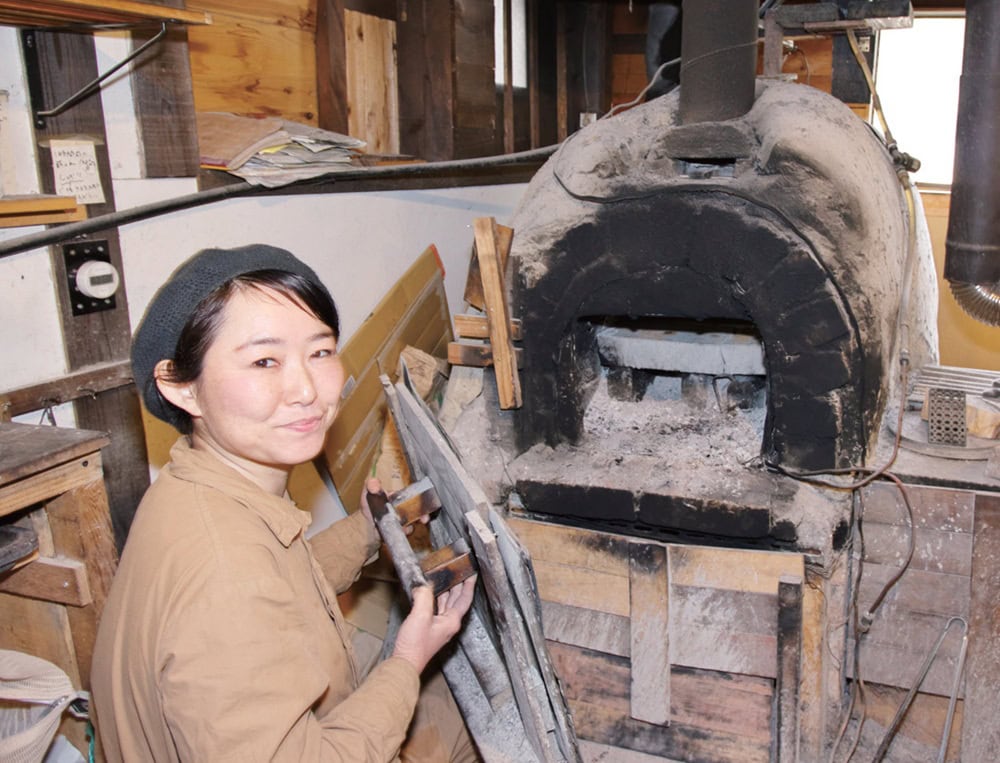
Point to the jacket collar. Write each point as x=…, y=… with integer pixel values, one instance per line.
x=279, y=513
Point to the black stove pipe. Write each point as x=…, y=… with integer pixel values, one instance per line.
x=718, y=59
x=972, y=254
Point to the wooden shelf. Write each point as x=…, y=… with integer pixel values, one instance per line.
x=48, y=13
x=17, y=211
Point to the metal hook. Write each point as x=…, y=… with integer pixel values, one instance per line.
x=87, y=89
x=48, y=414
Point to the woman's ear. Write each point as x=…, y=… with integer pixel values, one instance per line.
x=180, y=394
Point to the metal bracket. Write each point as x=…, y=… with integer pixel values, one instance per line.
x=42, y=114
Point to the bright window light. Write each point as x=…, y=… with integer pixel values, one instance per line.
x=917, y=76
x=519, y=44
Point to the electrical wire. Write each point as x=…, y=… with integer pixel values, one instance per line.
x=642, y=93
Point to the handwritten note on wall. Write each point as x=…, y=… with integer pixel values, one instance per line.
x=74, y=163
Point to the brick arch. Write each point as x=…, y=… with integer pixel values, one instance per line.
x=701, y=255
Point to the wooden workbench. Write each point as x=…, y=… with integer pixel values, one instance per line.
x=52, y=482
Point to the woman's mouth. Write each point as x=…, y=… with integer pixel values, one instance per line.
x=306, y=425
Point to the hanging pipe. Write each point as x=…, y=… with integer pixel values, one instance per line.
x=972, y=258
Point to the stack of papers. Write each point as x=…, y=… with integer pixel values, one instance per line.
x=272, y=152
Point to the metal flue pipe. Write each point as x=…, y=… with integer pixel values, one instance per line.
x=718, y=59
x=972, y=255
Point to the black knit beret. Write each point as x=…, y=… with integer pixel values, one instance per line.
x=172, y=306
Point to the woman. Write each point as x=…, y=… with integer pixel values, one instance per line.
x=221, y=638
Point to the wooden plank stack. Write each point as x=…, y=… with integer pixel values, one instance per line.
x=514, y=712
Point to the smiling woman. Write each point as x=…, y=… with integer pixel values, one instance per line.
x=222, y=638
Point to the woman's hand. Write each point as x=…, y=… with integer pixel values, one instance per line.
x=423, y=633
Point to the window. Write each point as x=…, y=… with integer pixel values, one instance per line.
x=917, y=75
x=519, y=44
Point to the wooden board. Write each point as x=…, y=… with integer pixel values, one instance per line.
x=980, y=730
x=649, y=633
x=524, y=586
x=64, y=12
x=488, y=253
x=63, y=581
x=372, y=100
x=522, y=666
x=164, y=103
x=714, y=716
x=256, y=58
x=722, y=615
x=28, y=449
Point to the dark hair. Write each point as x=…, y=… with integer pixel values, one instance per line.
x=202, y=326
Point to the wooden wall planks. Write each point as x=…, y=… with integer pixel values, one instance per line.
x=256, y=58
x=933, y=589
x=161, y=86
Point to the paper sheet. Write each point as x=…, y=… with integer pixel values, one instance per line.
x=74, y=163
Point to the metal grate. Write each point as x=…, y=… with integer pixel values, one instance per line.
x=946, y=423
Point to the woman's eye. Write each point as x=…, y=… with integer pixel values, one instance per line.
x=265, y=363
x=324, y=353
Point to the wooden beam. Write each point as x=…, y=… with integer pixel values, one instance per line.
x=65, y=12
x=45, y=484
x=474, y=280
x=63, y=581
x=649, y=628
x=789, y=667
x=497, y=312
x=476, y=327
x=84, y=382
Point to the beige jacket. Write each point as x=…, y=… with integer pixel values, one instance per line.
x=222, y=639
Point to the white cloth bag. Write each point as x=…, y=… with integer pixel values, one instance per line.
x=34, y=695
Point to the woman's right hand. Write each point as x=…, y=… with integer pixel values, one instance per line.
x=423, y=633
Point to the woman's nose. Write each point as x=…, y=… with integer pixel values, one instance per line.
x=300, y=386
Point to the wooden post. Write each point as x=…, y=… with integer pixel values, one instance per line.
x=508, y=79
x=59, y=64
x=789, y=667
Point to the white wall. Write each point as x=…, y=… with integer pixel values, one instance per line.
x=359, y=243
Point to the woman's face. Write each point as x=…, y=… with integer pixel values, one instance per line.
x=270, y=384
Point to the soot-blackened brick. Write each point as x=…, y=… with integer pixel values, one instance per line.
x=583, y=501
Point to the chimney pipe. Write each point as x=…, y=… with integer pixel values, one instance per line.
x=972, y=255
x=718, y=59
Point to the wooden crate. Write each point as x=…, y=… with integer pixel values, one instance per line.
x=676, y=651
x=51, y=480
